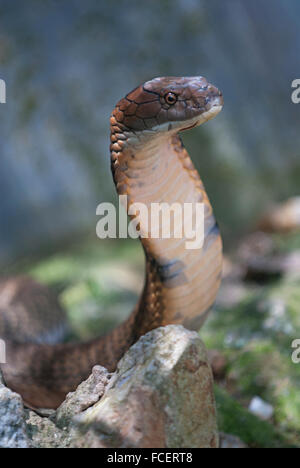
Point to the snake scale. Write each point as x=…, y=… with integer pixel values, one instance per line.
x=149, y=164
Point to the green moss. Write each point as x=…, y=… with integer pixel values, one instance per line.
x=234, y=419
x=256, y=337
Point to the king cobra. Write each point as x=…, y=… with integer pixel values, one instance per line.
x=149, y=165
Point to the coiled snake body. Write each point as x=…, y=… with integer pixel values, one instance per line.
x=149, y=164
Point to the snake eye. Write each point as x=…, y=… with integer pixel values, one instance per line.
x=170, y=98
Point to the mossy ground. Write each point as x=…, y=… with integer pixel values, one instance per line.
x=99, y=281
x=257, y=344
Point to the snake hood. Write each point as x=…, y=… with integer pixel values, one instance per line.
x=169, y=104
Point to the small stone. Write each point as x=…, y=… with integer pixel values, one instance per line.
x=12, y=419
x=228, y=441
x=261, y=409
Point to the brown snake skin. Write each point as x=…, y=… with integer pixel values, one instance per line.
x=149, y=164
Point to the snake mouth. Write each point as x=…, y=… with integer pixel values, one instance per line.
x=190, y=126
x=214, y=110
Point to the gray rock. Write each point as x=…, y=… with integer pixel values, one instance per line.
x=261, y=408
x=160, y=396
x=228, y=441
x=60, y=430
x=44, y=433
x=12, y=419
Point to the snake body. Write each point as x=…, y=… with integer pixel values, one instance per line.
x=149, y=164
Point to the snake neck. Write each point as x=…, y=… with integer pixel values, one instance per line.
x=181, y=284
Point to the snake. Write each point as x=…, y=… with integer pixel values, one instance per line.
x=149, y=165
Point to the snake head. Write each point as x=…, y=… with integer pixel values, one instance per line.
x=169, y=104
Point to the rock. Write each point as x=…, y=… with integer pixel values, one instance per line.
x=261, y=409
x=228, y=441
x=44, y=433
x=12, y=420
x=60, y=430
x=160, y=396
x=87, y=394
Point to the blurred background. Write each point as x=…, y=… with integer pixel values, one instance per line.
x=65, y=66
